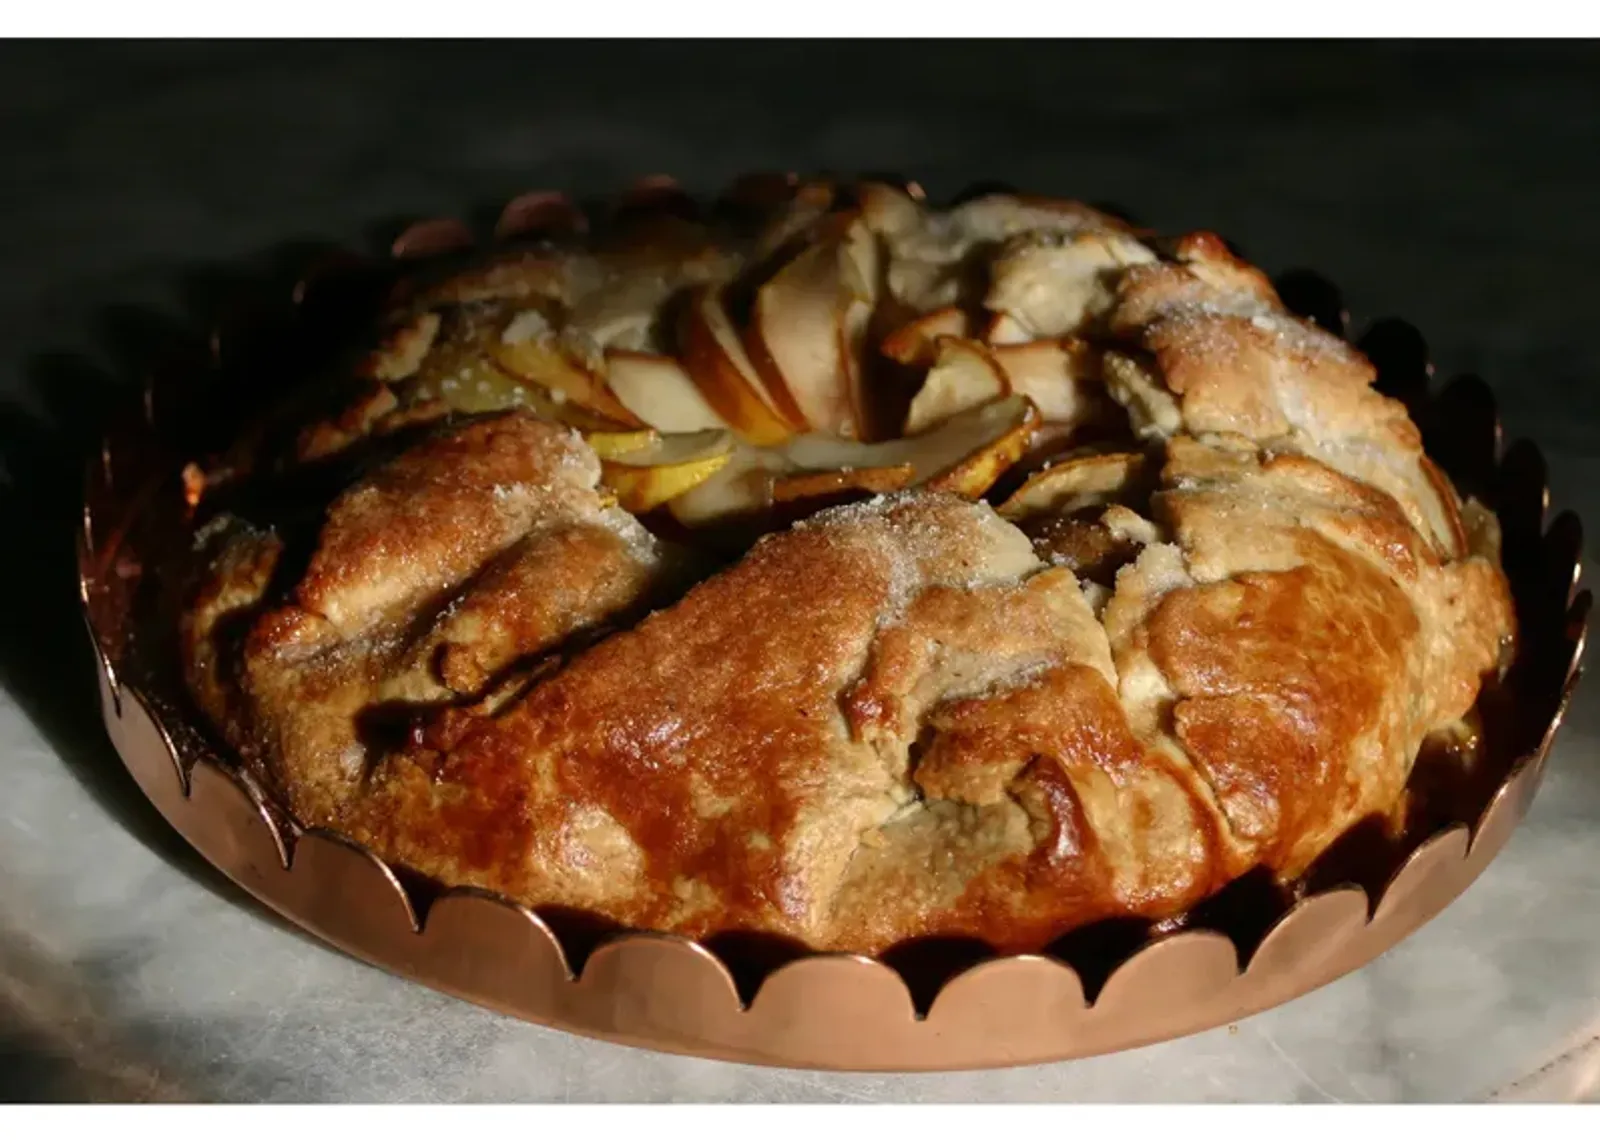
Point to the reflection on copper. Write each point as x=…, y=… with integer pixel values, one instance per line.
x=742, y=998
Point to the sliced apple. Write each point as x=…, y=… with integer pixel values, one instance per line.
x=658, y=392
x=1006, y=434
x=861, y=261
x=1003, y=329
x=529, y=351
x=722, y=371
x=461, y=374
x=804, y=208
x=889, y=210
x=822, y=485
x=1061, y=377
x=965, y=455
x=964, y=376
x=941, y=452
x=665, y=468
x=796, y=497
x=916, y=342
x=807, y=324
x=614, y=445
x=1076, y=483
x=740, y=490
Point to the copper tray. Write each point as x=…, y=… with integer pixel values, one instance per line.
x=945, y=1008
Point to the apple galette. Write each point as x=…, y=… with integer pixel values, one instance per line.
x=844, y=569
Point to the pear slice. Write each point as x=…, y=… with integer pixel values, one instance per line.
x=529, y=351
x=964, y=376
x=990, y=436
x=739, y=491
x=796, y=497
x=1006, y=428
x=964, y=455
x=722, y=371
x=821, y=485
x=861, y=261
x=649, y=449
x=889, y=210
x=1076, y=483
x=664, y=468
x=1003, y=329
x=1061, y=377
x=658, y=392
x=807, y=326
x=461, y=374
x=615, y=445
x=916, y=342
x=807, y=205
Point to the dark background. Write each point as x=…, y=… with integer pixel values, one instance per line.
x=1458, y=185
x=1455, y=185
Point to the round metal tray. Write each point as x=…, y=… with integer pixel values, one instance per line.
x=1084, y=996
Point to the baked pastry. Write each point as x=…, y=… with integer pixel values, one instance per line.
x=847, y=570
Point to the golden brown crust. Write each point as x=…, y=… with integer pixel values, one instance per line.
x=1213, y=642
x=479, y=547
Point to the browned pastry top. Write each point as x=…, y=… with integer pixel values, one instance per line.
x=850, y=571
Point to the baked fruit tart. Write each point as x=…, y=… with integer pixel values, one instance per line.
x=846, y=570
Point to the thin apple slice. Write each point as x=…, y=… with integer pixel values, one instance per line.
x=740, y=491
x=652, y=450
x=796, y=478
x=460, y=374
x=1001, y=428
x=529, y=351
x=889, y=210
x=964, y=376
x=1011, y=422
x=820, y=485
x=806, y=207
x=614, y=445
x=722, y=371
x=1061, y=377
x=861, y=263
x=1076, y=483
x=964, y=455
x=658, y=392
x=796, y=497
x=1003, y=329
x=802, y=326
x=664, y=468
x=916, y=342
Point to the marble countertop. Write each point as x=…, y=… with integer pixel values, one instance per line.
x=1452, y=186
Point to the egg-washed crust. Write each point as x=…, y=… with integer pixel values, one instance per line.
x=910, y=715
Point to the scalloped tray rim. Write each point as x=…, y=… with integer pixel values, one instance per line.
x=1505, y=808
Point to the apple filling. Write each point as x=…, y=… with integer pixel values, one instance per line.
x=733, y=379
x=733, y=387
x=546, y=602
